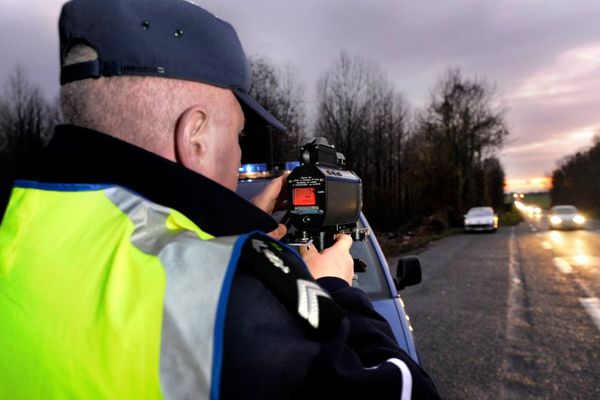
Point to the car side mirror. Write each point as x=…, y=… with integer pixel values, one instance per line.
x=408, y=272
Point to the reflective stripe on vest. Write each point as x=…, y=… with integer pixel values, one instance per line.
x=107, y=295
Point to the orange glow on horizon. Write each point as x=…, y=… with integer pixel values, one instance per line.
x=538, y=184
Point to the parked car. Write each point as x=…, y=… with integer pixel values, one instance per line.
x=566, y=217
x=377, y=281
x=481, y=219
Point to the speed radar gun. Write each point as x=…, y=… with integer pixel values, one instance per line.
x=324, y=199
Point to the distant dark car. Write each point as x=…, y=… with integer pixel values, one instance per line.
x=481, y=219
x=376, y=281
x=566, y=217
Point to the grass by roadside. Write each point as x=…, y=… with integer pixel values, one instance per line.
x=508, y=218
x=393, y=244
x=541, y=199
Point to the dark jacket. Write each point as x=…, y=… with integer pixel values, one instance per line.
x=269, y=351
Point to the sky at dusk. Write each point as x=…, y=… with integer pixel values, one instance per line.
x=543, y=56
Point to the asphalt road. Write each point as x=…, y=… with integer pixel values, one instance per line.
x=511, y=315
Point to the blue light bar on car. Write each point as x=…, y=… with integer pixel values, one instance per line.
x=252, y=168
x=290, y=165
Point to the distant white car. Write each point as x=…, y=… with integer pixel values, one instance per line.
x=566, y=217
x=481, y=219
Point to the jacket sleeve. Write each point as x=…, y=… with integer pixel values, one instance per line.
x=364, y=360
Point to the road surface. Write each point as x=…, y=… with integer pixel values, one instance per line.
x=511, y=315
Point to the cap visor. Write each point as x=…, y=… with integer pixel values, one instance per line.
x=258, y=110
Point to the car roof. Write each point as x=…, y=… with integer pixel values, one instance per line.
x=481, y=210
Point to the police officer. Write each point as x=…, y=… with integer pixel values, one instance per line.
x=130, y=269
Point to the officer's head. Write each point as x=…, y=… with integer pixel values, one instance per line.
x=165, y=75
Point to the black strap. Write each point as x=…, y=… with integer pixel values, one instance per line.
x=96, y=69
x=79, y=71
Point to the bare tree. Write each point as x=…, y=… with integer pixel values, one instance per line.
x=576, y=180
x=360, y=112
x=27, y=120
x=493, y=182
x=345, y=93
x=462, y=125
x=278, y=91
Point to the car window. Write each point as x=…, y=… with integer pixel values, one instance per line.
x=372, y=281
x=480, y=211
x=564, y=210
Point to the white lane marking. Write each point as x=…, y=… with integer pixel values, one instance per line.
x=585, y=288
x=592, y=306
x=563, y=265
x=514, y=312
x=514, y=288
x=513, y=262
x=547, y=245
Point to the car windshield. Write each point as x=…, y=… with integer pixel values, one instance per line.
x=372, y=280
x=564, y=210
x=480, y=211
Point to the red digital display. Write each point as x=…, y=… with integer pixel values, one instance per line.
x=305, y=196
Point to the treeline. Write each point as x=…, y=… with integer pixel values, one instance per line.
x=576, y=180
x=27, y=119
x=27, y=122
x=417, y=165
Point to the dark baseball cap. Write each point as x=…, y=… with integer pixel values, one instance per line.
x=164, y=38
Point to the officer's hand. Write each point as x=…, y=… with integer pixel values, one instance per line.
x=278, y=233
x=272, y=198
x=334, y=261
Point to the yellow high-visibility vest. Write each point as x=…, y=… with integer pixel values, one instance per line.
x=104, y=294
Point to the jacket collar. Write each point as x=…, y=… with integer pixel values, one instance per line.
x=79, y=155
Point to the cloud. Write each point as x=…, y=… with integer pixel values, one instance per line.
x=29, y=37
x=572, y=140
x=539, y=157
x=567, y=81
x=555, y=111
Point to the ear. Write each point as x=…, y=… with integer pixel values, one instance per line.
x=190, y=141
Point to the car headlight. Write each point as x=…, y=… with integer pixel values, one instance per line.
x=579, y=219
x=555, y=219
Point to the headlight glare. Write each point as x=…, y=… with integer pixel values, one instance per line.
x=579, y=219
x=555, y=219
